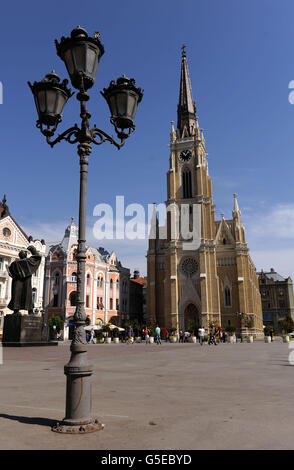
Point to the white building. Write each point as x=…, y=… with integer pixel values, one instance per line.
x=12, y=240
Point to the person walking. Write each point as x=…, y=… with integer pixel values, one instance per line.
x=201, y=333
x=186, y=336
x=92, y=337
x=147, y=337
x=181, y=340
x=130, y=335
x=167, y=340
x=157, y=335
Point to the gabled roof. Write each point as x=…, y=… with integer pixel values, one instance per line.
x=4, y=212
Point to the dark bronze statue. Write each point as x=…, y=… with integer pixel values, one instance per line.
x=21, y=272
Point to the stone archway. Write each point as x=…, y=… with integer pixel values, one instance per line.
x=191, y=317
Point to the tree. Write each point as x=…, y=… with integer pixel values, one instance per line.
x=230, y=328
x=55, y=320
x=287, y=324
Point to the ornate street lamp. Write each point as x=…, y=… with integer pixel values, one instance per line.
x=81, y=55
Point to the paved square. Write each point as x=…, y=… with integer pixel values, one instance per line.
x=173, y=396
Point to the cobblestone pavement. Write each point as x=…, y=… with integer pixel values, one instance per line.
x=173, y=396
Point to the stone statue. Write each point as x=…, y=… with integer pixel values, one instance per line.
x=21, y=272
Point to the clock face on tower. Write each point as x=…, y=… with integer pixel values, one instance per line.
x=185, y=155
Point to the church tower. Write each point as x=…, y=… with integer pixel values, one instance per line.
x=199, y=270
x=184, y=271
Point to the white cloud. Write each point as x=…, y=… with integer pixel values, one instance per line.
x=270, y=236
x=277, y=223
x=281, y=260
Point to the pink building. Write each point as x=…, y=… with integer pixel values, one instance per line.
x=107, y=282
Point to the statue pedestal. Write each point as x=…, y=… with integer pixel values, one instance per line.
x=22, y=330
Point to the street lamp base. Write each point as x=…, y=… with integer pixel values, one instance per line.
x=65, y=428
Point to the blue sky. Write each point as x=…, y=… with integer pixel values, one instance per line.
x=241, y=60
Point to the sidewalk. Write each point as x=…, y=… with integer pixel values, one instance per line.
x=169, y=396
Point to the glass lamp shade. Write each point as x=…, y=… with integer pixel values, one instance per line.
x=123, y=98
x=81, y=55
x=50, y=98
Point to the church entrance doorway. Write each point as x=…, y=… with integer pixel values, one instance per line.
x=191, y=318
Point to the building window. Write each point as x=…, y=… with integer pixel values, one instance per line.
x=88, y=279
x=87, y=301
x=98, y=282
x=111, y=283
x=111, y=304
x=99, y=303
x=74, y=277
x=56, y=279
x=227, y=297
x=73, y=299
x=224, y=241
x=117, y=304
x=1, y=264
x=34, y=295
x=187, y=183
x=55, y=300
x=6, y=232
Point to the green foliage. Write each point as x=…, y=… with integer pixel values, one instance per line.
x=230, y=328
x=106, y=329
x=115, y=332
x=267, y=330
x=287, y=324
x=151, y=330
x=57, y=321
x=249, y=323
x=193, y=328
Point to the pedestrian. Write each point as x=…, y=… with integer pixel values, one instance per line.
x=187, y=334
x=167, y=336
x=92, y=337
x=157, y=335
x=146, y=334
x=130, y=335
x=201, y=332
x=181, y=340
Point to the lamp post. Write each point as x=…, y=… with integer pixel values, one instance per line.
x=242, y=317
x=81, y=55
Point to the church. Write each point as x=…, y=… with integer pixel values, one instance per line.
x=215, y=281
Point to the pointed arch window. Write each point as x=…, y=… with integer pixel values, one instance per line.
x=187, y=183
x=73, y=297
x=228, y=297
x=56, y=279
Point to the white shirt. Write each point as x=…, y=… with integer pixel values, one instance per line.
x=201, y=331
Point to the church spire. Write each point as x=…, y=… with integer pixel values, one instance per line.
x=186, y=106
x=236, y=210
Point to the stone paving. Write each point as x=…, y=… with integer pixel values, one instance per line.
x=168, y=397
